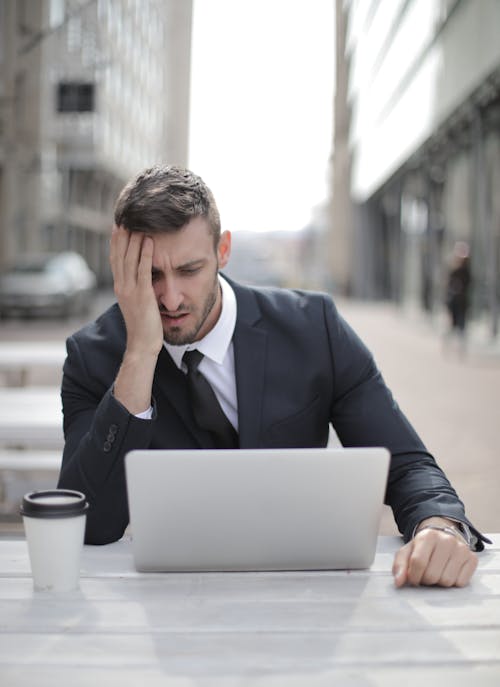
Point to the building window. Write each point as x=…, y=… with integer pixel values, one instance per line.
x=75, y=97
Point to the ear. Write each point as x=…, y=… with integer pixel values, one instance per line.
x=224, y=249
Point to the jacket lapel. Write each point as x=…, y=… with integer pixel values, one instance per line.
x=250, y=347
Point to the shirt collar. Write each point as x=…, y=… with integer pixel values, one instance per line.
x=214, y=345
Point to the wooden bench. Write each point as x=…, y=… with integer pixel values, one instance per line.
x=19, y=358
x=30, y=460
x=22, y=471
x=31, y=417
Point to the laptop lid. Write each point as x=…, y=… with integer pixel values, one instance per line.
x=255, y=509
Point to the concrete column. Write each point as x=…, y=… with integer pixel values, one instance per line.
x=177, y=67
x=8, y=199
x=340, y=236
x=20, y=207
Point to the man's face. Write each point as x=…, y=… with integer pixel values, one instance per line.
x=184, y=274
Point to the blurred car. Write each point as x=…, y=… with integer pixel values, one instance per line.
x=47, y=284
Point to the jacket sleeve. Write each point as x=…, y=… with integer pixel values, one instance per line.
x=364, y=413
x=98, y=433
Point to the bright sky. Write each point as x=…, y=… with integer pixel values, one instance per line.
x=262, y=108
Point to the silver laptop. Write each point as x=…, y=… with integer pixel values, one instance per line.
x=255, y=509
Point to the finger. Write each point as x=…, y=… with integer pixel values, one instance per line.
x=460, y=567
x=112, y=244
x=423, y=548
x=444, y=571
x=449, y=574
x=132, y=257
x=467, y=570
x=400, y=565
x=146, y=262
x=446, y=559
x=117, y=248
x=441, y=559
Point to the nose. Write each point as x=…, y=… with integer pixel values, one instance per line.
x=170, y=295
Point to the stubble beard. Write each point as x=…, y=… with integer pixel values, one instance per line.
x=177, y=337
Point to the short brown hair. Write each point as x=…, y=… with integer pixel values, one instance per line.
x=164, y=199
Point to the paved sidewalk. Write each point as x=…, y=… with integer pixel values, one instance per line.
x=452, y=401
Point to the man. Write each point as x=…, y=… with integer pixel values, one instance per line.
x=282, y=364
x=458, y=290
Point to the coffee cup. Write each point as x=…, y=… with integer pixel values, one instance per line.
x=54, y=524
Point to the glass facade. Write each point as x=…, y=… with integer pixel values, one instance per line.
x=424, y=91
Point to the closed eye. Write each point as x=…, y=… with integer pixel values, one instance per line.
x=189, y=270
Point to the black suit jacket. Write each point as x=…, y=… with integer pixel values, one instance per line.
x=299, y=366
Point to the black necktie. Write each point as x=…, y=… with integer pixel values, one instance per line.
x=206, y=408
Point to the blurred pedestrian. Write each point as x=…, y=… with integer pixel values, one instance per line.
x=457, y=291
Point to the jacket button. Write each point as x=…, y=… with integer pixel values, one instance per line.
x=107, y=447
x=113, y=429
x=111, y=437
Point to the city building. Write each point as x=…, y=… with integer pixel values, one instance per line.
x=422, y=91
x=91, y=91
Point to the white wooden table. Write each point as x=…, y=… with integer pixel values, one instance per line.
x=18, y=358
x=31, y=416
x=311, y=629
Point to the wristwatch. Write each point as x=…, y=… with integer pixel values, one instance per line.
x=458, y=528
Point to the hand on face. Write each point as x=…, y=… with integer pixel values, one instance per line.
x=434, y=557
x=131, y=257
